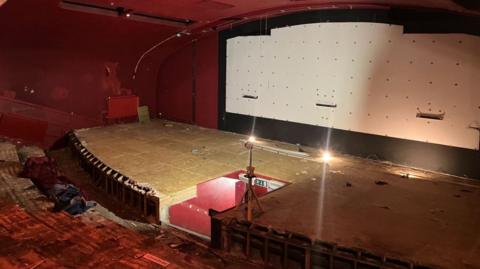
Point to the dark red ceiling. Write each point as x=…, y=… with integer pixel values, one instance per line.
x=44, y=45
x=43, y=25
x=60, y=27
x=206, y=11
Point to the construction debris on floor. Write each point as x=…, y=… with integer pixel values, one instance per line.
x=44, y=173
x=32, y=236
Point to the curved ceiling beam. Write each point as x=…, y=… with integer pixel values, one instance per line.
x=244, y=18
x=200, y=28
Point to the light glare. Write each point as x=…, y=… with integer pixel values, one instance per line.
x=326, y=156
x=252, y=139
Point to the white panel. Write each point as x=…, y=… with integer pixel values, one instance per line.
x=377, y=76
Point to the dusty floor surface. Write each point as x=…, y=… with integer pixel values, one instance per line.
x=428, y=217
x=31, y=236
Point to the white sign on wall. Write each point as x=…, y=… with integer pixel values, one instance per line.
x=364, y=77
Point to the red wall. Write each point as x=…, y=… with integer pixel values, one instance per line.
x=72, y=61
x=191, y=69
x=207, y=82
x=175, y=99
x=59, y=58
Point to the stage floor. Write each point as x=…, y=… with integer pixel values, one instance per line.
x=172, y=157
x=431, y=218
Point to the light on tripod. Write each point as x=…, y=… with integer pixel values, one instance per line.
x=326, y=156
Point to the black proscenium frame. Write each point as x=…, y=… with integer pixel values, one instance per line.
x=447, y=159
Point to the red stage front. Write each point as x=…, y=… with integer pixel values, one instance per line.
x=218, y=194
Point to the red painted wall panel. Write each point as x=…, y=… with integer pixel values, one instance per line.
x=71, y=60
x=177, y=83
x=220, y=194
x=59, y=122
x=207, y=82
x=27, y=129
x=122, y=106
x=190, y=216
x=175, y=99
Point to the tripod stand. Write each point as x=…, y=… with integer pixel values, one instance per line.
x=250, y=195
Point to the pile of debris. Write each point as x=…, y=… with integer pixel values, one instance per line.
x=44, y=173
